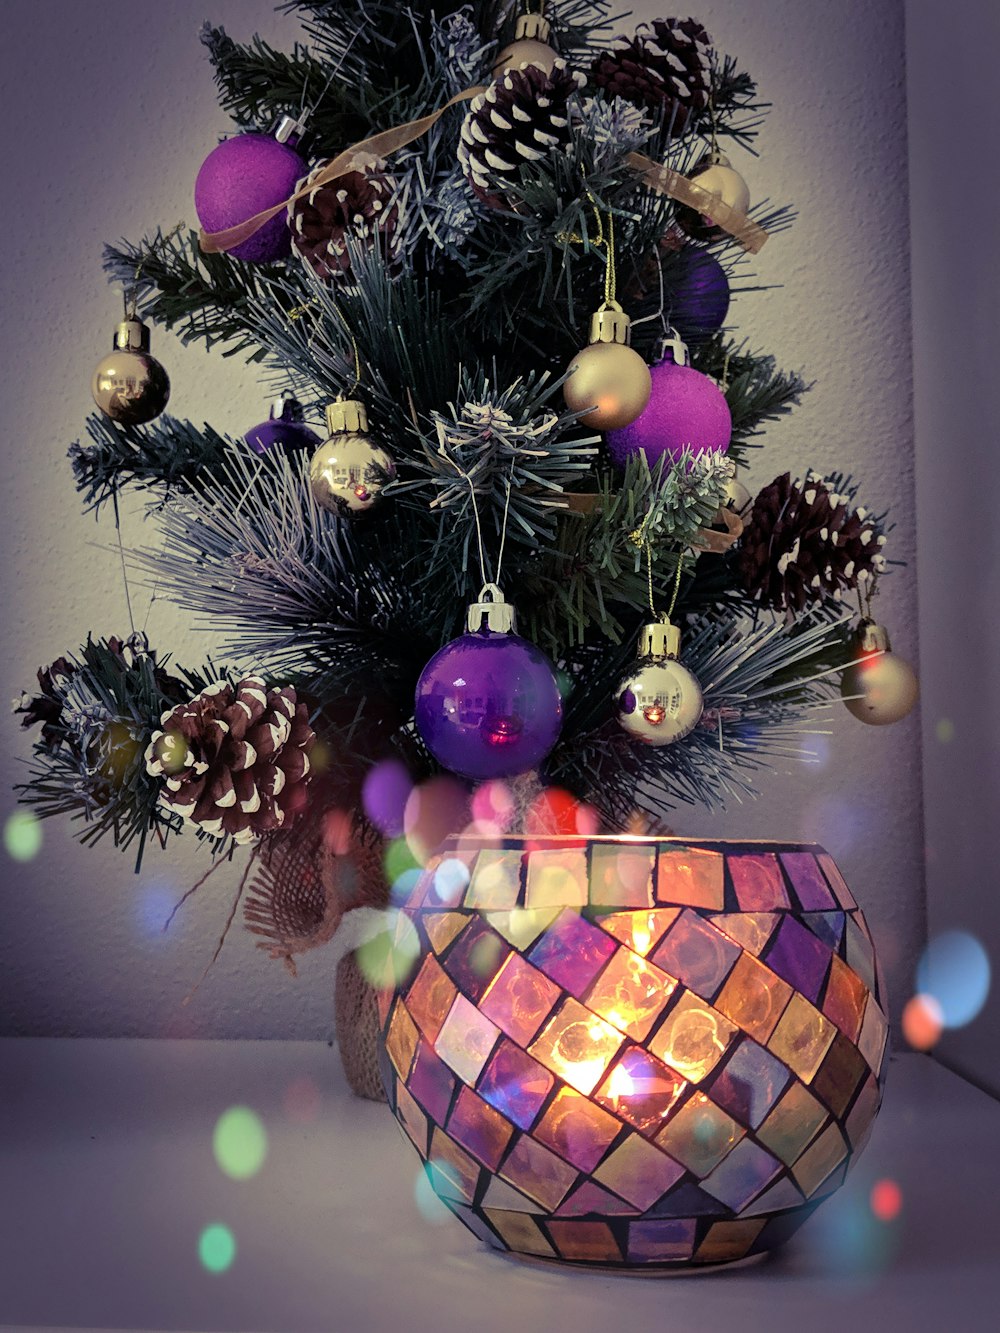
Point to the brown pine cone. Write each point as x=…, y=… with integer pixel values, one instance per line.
x=665, y=66
x=804, y=542
x=235, y=759
x=360, y=204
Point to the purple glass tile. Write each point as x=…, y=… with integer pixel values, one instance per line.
x=741, y=1175
x=836, y=881
x=799, y=957
x=828, y=926
x=758, y=881
x=515, y=1084
x=477, y=1226
x=661, y=1241
x=686, y=1200
x=591, y=1198
x=479, y=1129
x=572, y=952
x=431, y=1082
x=475, y=958
x=810, y=887
x=750, y=1084
x=697, y=954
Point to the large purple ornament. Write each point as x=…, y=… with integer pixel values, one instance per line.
x=244, y=176
x=686, y=410
x=285, y=428
x=700, y=296
x=487, y=704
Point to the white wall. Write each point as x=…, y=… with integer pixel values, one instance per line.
x=111, y=149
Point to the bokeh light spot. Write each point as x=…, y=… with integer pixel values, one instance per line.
x=955, y=970
x=399, y=859
x=430, y=1206
x=302, y=1101
x=435, y=810
x=388, y=957
x=239, y=1142
x=451, y=879
x=403, y=886
x=558, y=812
x=384, y=796
x=923, y=1022
x=22, y=835
x=945, y=730
x=886, y=1200
x=493, y=808
x=216, y=1248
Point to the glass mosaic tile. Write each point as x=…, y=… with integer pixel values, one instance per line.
x=521, y=1232
x=808, y=881
x=697, y=954
x=572, y=952
x=478, y=1128
x=692, y=1038
x=686, y=1200
x=496, y=881
x=793, y=1124
x=521, y=927
x=741, y=1175
x=593, y=1241
x=454, y=1174
x=631, y=994
x=557, y=878
x=519, y=999
x=751, y=930
x=449, y=880
x=475, y=958
x=639, y=931
x=641, y=1090
x=536, y=1171
x=874, y=1030
x=412, y=1119
x=799, y=957
x=432, y=1083
x=836, y=881
x=819, y=1160
x=726, y=1241
x=861, y=1114
x=827, y=926
x=515, y=1084
x=859, y=951
x=401, y=1040
x=758, y=881
x=802, y=1038
x=576, y=1129
x=501, y=1195
x=839, y=1075
x=479, y=1228
x=442, y=927
x=691, y=877
x=661, y=1240
x=638, y=1172
x=700, y=1135
x=430, y=997
x=466, y=1039
x=749, y=1083
x=383, y=1003
x=753, y=997
x=782, y=1194
x=591, y=1198
x=577, y=1045
x=621, y=875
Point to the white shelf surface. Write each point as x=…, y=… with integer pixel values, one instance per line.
x=107, y=1178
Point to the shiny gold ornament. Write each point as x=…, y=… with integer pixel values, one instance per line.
x=660, y=701
x=878, y=687
x=129, y=385
x=718, y=177
x=608, y=377
x=529, y=47
x=349, y=471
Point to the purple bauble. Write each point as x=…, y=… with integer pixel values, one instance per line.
x=488, y=706
x=285, y=427
x=686, y=410
x=700, y=297
x=241, y=178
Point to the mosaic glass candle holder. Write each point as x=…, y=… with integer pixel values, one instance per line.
x=631, y=1053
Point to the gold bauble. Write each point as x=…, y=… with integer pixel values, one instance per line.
x=660, y=700
x=716, y=177
x=612, y=381
x=529, y=47
x=349, y=471
x=129, y=385
x=879, y=688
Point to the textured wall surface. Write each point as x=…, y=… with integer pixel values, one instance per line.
x=112, y=149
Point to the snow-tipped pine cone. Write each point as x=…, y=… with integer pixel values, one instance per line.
x=360, y=204
x=666, y=65
x=804, y=542
x=235, y=760
x=523, y=116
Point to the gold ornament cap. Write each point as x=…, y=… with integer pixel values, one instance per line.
x=872, y=638
x=492, y=612
x=131, y=335
x=533, y=27
x=610, y=324
x=661, y=639
x=346, y=417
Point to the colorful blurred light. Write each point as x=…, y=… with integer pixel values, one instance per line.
x=387, y=958
x=493, y=808
x=450, y=881
x=945, y=730
x=558, y=812
x=886, y=1200
x=435, y=810
x=303, y=1101
x=923, y=1022
x=239, y=1142
x=384, y=795
x=216, y=1248
x=955, y=970
x=22, y=835
x=430, y=1206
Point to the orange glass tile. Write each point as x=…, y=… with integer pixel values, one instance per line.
x=621, y=875
x=792, y=1124
x=639, y=1172
x=519, y=999
x=844, y=1002
x=442, y=927
x=727, y=1241
x=750, y=929
x=839, y=1075
x=466, y=1039
x=496, y=883
x=520, y=1232
x=479, y=1129
x=430, y=997
x=576, y=1129
x=631, y=994
x=641, y=1090
x=753, y=997
x=640, y=931
x=700, y=1135
x=537, y=1172
x=577, y=1045
x=691, y=877
x=758, y=881
x=412, y=1119
x=557, y=878
x=401, y=1040
x=521, y=927
x=584, y=1240
x=819, y=1160
x=698, y=954
x=454, y=1174
x=692, y=1038
x=802, y=1038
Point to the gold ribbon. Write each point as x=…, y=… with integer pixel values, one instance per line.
x=675, y=186
x=379, y=145
x=720, y=542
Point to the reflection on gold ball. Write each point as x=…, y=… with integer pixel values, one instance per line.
x=660, y=702
x=348, y=474
x=527, y=51
x=718, y=178
x=130, y=387
x=612, y=381
x=887, y=689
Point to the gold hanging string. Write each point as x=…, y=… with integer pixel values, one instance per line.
x=121, y=553
x=443, y=451
x=677, y=586
x=300, y=312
